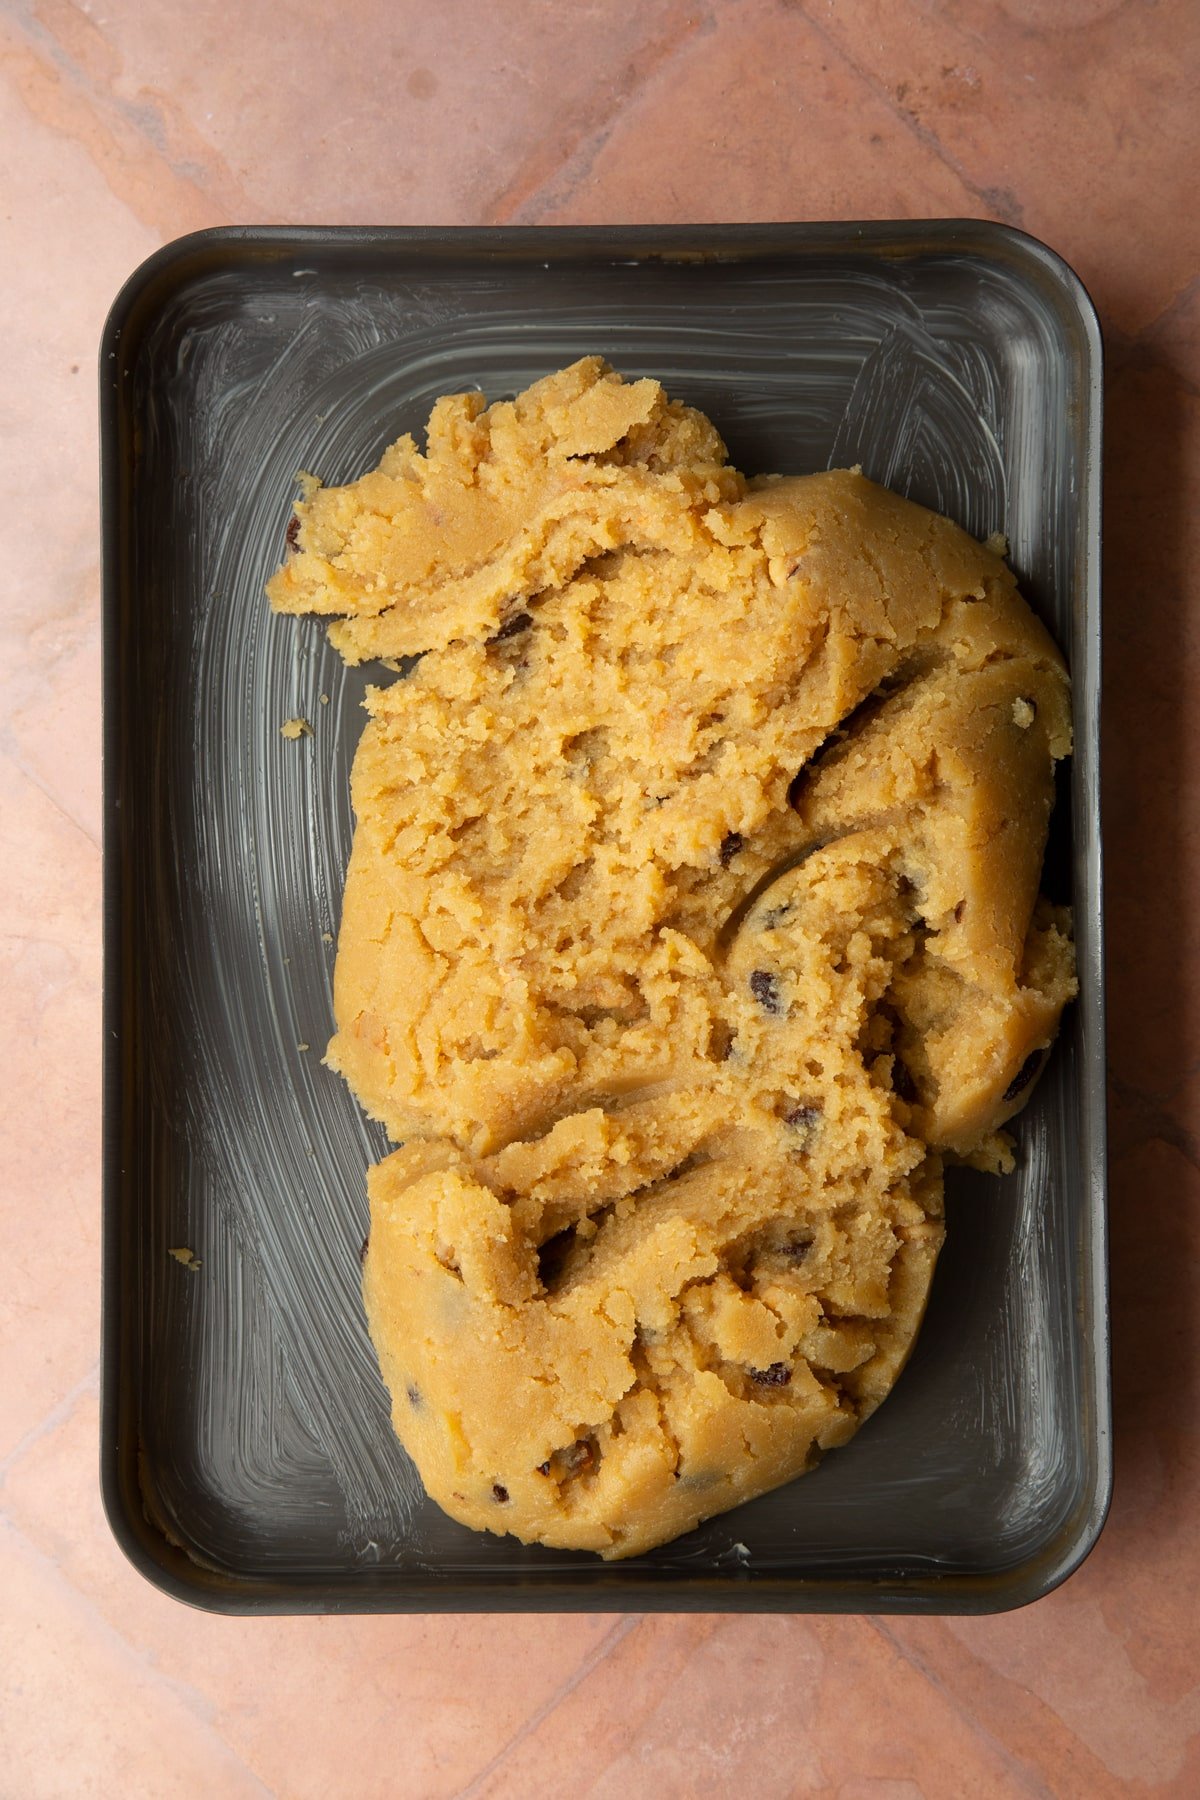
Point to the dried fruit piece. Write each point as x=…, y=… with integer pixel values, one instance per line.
x=765, y=988
x=777, y=1375
x=1024, y=1075
x=512, y=627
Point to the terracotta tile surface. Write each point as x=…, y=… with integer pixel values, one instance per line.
x=123, y=125
x=1071, y=120
x=313, y=124
x=765, y=120
x=84, y=1713
x=765, y=1706
x=50, y=970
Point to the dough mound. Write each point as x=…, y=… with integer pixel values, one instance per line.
x=692, y=919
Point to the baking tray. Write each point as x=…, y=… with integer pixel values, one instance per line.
x=248, y=1464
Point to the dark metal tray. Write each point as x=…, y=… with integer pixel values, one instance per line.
x=248, y=1462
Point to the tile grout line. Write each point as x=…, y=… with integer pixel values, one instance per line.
x=191, y=1698
x=1151, y=1099
x=1141, y=353
x=997, y=200
x=603, y=1649
x=1030, y=1782
x=512, y=200
x=1156, y=1126
x=104, y=106
x=61, y=1410
x=1174, y=305
x=68, y=818
x=1160, y=1130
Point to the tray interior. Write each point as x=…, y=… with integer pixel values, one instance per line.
x=250, y=1459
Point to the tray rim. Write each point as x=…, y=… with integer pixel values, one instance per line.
x=152, y=1546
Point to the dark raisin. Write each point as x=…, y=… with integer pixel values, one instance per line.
x=778, y=1375
x=512, y=627
x=576, y=1459
x=293, y=532
x=775, y=916
x=500, y=1493
x=731, y=843
x=1024, y=1075
x=414, y=1394
x=802, y=1118
x=362, y=1255
x=797, y=1247
x=765, y=988
x=902, y=1081
x=579, y=1457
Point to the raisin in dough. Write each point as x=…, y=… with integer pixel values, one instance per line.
x=692, y=919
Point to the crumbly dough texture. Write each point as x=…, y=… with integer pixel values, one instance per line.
x=692, y=920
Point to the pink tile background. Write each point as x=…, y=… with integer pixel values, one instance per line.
x=124, y=123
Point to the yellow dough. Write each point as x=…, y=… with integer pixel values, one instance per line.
x=692, y=919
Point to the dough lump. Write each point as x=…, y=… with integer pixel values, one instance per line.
x=692, y=920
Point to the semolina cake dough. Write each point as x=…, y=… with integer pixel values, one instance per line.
x=692, y=920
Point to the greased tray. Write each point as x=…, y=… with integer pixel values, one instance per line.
x=247, y=1459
